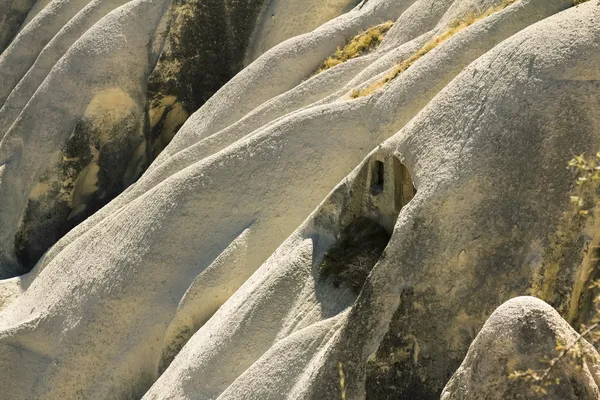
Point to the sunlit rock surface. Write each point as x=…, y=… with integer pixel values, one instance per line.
x=208, y=217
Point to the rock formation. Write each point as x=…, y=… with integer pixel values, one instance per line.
x=191, y=209
x=514, y=336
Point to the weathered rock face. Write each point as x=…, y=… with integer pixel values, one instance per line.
x=513, y=338
x=71, y=119
x=486, y=154
x=211, y=41
x=111, y=130
x=290, y=225
x=101, y=158
x=14, y=13
x=205, y=48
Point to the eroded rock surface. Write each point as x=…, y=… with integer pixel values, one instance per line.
x=119, y=115
x=512, y=339
x=219, y=270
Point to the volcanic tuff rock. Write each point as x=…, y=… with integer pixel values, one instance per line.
x=513, y=337
x=268, y=233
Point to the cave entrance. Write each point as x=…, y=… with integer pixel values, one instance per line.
x=382, y=188
x=355, y=254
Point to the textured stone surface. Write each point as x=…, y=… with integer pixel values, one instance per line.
x=113, y=127
x=73, y=118
x=512, y=339
x=203, y=279
x=14, y=13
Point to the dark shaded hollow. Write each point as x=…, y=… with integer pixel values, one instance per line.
x=208, y=38
x=377, y=180
x=368, y=223
x=353, y=257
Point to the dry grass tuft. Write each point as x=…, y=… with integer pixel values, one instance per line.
x=453, y=29
x=363, y=42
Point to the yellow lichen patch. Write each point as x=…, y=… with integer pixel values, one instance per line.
x=176, y=116
x=156, y=111
x=39, y=190
x=565, y=278
x=544, y=286
x=464, y=328
x=452, y=30
x=107, y=108
x=551, y=281
x=363, y=42
x=86, y=184
x=416, y=347
x=583, y=280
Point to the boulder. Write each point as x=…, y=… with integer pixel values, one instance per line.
x=517, y=335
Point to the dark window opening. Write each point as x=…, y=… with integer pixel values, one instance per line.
x=377, y=178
